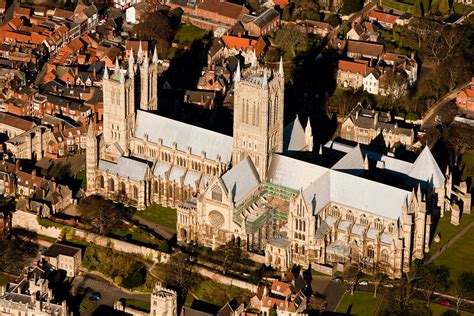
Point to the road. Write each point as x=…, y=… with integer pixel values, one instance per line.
x=429, y=119
x=88, y=284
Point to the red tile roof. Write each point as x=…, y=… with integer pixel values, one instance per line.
x=383, y=17
x=353, y=67
x=227, y=9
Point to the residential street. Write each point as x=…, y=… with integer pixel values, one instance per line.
x=88, y=284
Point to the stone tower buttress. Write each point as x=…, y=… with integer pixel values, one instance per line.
x=92, y=159
x=149, y=83
x=119, y=106
x=258, y=116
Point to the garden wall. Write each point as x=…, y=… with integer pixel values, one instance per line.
x=227, y=280
x=29, y=221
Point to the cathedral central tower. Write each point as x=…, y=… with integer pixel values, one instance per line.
x=258, y=115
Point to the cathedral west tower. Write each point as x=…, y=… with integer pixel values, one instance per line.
x=258, y=115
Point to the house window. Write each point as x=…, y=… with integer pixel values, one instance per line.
x=101, y=182
x=135, y=192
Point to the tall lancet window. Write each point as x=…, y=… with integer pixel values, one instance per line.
x=275, y=111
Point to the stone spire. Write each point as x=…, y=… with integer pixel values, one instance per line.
x=117, y=66
x=155, y=56
x=140, y=52
x=254, y=59
x=131, y=63
x=280, y=70
x=308, y=136
x=237, y=72
x=366, y=162
x=106, y=74
x=146, y=61
x=122, y=76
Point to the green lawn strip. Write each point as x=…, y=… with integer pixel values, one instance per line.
x=439, y=310
x=187, y=34
x=86, y=306
x=156, y=213
x=459, y=256
x=448, y=230
x=361, y=303
x=398, y=5
x=49, y=223
x=47, y=238
x=460, y=8
x=138, y=304
x=217, y=294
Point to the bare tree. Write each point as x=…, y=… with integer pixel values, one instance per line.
x=179, y=274
x=464, y=288
x=352, y=275
x=231, y=254
x=433, y=278
x=378, y=276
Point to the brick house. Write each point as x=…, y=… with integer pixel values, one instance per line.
x=465, y=98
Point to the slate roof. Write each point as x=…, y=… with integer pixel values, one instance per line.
x=125, y=167
x=425, y=168
x=359, y=193
x=266, y=17
x=241, y=179
x=352, y=163
x=293, y=173
x=294, y=137
x=184, y=135
x=59, y=249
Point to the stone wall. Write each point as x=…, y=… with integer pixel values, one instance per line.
x=29, y=221
x=222, y=279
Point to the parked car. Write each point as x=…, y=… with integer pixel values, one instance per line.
x=95, y=297
x=337, y=279
x=363, y=282
x=389, y=285
x=445, y=302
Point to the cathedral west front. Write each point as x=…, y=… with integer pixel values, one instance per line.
x=250, y=189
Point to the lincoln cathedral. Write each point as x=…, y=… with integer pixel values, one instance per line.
x=253, y=188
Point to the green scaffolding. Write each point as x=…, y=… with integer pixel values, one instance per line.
x=279, y=191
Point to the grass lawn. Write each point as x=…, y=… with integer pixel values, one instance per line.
x=5, y=279
x=139, y=236
x=187, y=34
x=46, y=238
x=137, y=304
x=468, y=160
x=398, y=5
x=165, y=216
x=459, y=256
x=361, y=303
x=438, y=310
x=217, y=294
x=81, y=175
x=447, y=230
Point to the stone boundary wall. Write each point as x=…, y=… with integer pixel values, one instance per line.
x=29, y=221
x=222, y=279
x=323, y=269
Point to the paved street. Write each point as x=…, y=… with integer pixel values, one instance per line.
x=88, y=284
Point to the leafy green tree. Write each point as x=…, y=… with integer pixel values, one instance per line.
x=17, y=251
x=426, y=6
x=351, y=6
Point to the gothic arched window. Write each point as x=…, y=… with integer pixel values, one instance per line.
x=135, y=192
x=216, y=193
x=101, y=182
x=370, y=252
x=378, y=224
x=111, y=185
x=385, y=256
x=364, y=220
